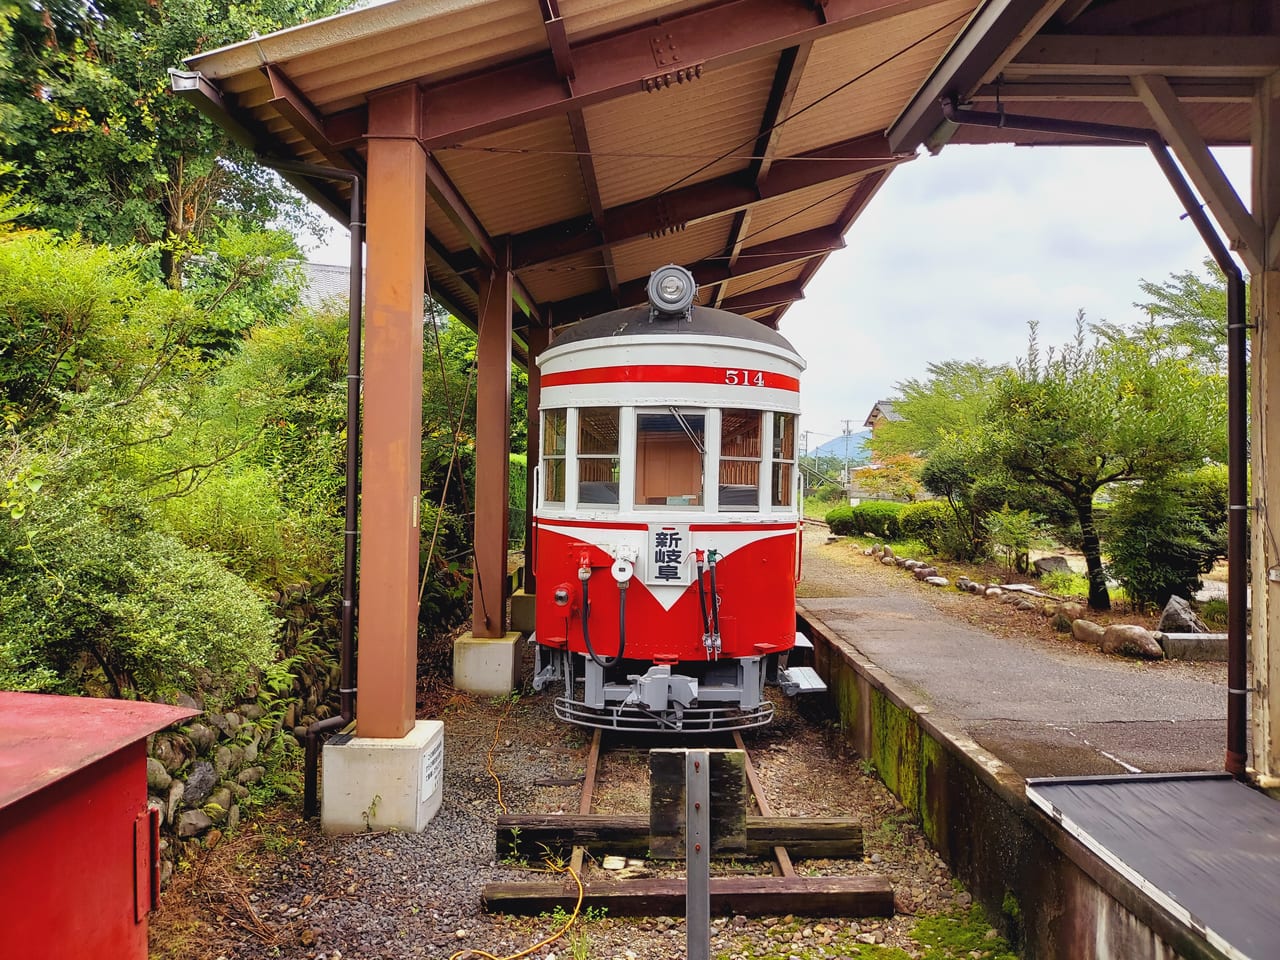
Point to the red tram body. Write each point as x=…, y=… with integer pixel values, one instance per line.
x=667, y=517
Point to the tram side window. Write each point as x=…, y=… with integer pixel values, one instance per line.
x=670, y=449
x=555, y=428
x=740, y=460
x=784, y=458
x=598, y=456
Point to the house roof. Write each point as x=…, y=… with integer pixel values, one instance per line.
x=882, y=410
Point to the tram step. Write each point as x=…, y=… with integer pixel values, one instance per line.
x=796, y=680
x=803, y=642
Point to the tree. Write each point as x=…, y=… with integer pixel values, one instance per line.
x=1096, y=413
x=1186, y=313
x=101, y=146
x=950, y=401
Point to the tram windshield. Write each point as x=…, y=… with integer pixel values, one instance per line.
x=670, y=455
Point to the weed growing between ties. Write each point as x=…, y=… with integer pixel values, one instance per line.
x=955, y=935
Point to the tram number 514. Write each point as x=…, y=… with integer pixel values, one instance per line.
x=744, y=378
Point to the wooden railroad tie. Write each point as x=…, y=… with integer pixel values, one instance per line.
x=529, y=836
x=661, y=836
x=746, y=896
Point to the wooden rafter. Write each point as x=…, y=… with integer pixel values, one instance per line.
x=1242, y=231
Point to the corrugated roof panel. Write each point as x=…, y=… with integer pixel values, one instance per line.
x=566, y=278
x=876, y=99
x=442, y=40
x=639, y=258
x=719, y=114
x=584, y=19
x=521, y=178
x=817, y=206
x=442, y=228
x=763, y=280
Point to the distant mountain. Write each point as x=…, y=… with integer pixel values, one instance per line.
x=854, y=446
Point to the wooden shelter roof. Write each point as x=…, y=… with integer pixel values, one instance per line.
x=599, y=139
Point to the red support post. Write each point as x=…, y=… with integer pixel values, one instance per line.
x=493, y=448
x=392, y=460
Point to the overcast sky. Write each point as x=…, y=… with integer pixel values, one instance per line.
x=957, y=252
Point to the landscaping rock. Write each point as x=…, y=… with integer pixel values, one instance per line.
x=1065, y=614
x=993, y=592
x=172, y=750
x=158, y=778
x=251, y=775
x=175, y=798
x=192, y=823
x=1024, y=604
x=202, y=737
x=1178, y=617
x=888, y=551
x=219, y=805
x=1086, y=631
x=887, y=561
x=200, y=784
x=936, y=581
x=1131, y=641
x=924, y=573
x=1050, y=565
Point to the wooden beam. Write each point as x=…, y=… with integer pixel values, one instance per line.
x=652, y=56
x=524, y=836
x=767, y=297
x=1242, y=231
x=702, y=201
x=867, y=896
x=1072, y=9
x=1190, y=56
x=291, y=104
x=451, y=202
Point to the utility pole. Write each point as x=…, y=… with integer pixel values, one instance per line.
x=847, y=432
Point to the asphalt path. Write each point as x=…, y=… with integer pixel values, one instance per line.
x=1044, y=708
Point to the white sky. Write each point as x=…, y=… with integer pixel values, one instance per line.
x=957, y=252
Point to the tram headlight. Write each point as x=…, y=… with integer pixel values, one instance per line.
x=671, y=292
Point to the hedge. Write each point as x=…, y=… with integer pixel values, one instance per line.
x=879, y=518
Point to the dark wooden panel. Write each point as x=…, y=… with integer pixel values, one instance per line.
x=530, y=836
x=666, y=802
x=748, y=896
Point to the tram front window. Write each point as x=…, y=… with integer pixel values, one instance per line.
x=740, y=461
x=598, y=457
x=670, y=452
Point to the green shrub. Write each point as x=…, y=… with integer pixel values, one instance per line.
x=929, y=521
x=88, y=590
x=1214, y=612
x=840, y=520
x=1161, y=536
x=879, y=518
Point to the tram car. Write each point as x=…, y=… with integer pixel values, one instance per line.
x=667, y=517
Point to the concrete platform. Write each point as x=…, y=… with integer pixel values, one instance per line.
x=955, y=719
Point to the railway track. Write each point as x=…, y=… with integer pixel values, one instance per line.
x=768, y=837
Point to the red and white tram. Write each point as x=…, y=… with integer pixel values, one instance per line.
x=667, y=516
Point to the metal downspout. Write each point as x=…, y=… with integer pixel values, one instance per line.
x=1237, y=390
x=355, y=293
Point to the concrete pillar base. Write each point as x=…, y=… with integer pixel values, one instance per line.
x=489, y=666
x=383, y=784
x=522, y=611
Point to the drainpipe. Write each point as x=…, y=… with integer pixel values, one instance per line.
x=355, y=292
x=1237, y=388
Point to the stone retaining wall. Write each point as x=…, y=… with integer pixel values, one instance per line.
x=199, y=772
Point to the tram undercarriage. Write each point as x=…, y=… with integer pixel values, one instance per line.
x=691, y=697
